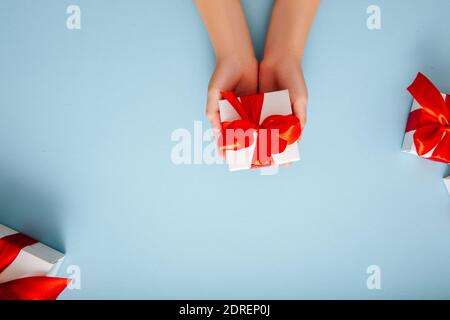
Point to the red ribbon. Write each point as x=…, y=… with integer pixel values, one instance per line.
x=274, y=134
x=31, y=288
x=431, y=121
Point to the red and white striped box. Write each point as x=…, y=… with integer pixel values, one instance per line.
x=34, y=260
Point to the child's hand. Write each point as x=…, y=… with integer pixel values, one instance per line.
x=236, y=74
x=236, y=68
x=285, y=44
x=285, y=73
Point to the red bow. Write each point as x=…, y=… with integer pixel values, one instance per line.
x=274, y=134
x=431, y=121
x=31, y=288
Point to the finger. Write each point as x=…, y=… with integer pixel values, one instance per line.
x=298, y=94
x=299, y=108
x=212, y=113
x=300, y=100
x=212, y=108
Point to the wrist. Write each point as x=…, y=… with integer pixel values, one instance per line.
x=234, y=49
x=273, y=59
x=242, y=61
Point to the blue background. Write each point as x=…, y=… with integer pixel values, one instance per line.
x=85, y=124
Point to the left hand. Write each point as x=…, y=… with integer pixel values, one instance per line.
x=285, y=73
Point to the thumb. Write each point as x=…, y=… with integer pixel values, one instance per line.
x=212, y=108
x=212, y=113
x=299, y=108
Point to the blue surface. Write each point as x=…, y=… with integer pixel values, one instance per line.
x=85, y=124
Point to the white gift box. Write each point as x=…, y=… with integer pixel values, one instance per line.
x=34, y=260
x=277, y=102
x=447, y=183
x=408, y=141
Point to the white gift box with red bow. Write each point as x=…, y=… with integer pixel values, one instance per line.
x=408, y=140
x=33, y=260
x=277, y=102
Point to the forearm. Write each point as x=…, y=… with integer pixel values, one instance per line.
x=289, y=27
x=227, y=28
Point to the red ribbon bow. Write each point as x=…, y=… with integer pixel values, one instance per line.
x=31, y=288
x=274, y=134
x=431, y=121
